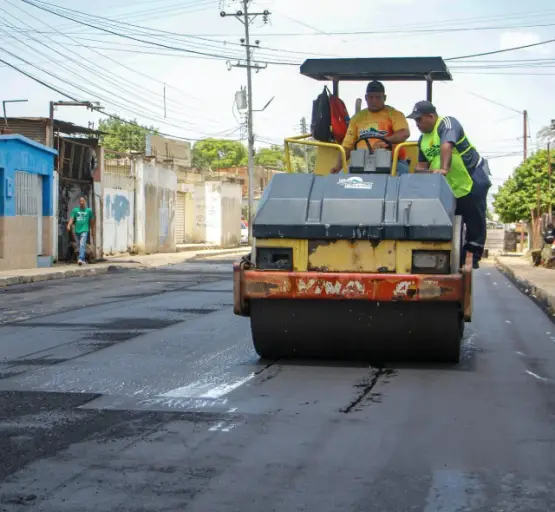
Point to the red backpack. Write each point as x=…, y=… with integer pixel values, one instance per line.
x=339, y=118
x=330, y=118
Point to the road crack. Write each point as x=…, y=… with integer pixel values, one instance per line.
x=365, y=388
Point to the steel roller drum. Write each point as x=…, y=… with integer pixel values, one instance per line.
x=356, y=330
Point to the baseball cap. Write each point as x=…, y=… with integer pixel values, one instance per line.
x=375, y=86
x=422, y=107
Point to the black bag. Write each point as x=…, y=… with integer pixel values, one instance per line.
x=320, y=125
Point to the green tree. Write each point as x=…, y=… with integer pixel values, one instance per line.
x=300, y=155
x=519, y=194
x=124, y=137
x=272, y=157
x=219, y=154
x=546, y=134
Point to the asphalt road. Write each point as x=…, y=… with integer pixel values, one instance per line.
x=140, y=392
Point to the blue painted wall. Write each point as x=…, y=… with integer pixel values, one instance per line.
x=18, y=153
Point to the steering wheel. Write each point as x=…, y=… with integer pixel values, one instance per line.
x=366, y=138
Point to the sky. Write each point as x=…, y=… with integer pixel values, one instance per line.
x=122, y=63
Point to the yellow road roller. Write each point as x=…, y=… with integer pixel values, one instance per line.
x=365, y=264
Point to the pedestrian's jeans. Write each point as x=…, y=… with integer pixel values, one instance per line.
x=83, y=245
x=473, y=209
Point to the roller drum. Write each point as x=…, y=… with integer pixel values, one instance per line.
x=357, y=330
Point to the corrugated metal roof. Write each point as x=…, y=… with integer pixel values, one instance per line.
x=64, y=127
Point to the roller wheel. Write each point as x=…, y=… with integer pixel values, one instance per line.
x=356, y=330
x=453, y=340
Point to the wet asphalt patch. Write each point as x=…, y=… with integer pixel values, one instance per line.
x=38, y=361
x=116, y=324
x=96, y=336
x=194, y=311
x=112, y=337
x=39, y=425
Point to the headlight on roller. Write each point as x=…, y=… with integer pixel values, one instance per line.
x=431, y=262
x=274, y=258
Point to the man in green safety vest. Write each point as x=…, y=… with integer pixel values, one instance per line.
x=445, y=149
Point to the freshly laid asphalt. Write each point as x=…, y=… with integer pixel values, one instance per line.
x=140, y=391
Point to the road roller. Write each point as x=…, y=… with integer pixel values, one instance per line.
x=366, y=264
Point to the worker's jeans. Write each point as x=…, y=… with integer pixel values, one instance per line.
x=473, y=209
x=83, y=245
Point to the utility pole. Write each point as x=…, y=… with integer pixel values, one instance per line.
x=304, y=131
x=525, y=133
x=524, y=155
x=246, y=18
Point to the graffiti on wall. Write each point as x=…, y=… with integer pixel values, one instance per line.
x=118, y=221
x=117, y=206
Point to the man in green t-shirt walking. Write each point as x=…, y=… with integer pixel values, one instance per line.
x=83, y=218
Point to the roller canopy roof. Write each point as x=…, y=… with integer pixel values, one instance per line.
x=366, y=69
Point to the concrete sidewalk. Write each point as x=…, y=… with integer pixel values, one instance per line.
x=537, y=282
x=63, y=271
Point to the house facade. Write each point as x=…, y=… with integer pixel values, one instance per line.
x=27, y=219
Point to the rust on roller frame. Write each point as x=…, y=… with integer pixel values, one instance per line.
x=355, y=286
x=239, y=306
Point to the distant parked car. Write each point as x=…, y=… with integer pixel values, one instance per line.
x=244, y=232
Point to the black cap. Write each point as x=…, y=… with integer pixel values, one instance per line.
x=422, y=107
x=375, y=86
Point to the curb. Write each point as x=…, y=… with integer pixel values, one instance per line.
x=63, y=274
x=96, y=271
x=220, y=252
x=541, y=297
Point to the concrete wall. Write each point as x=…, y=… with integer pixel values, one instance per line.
x=118, y=223
x=118, y=206
x=218, y=213
x=169, y=150
x=262, y=177
x=190, y=217
x=19, y=233
x=155, y=200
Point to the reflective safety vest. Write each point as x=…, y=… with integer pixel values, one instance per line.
x=458, y=176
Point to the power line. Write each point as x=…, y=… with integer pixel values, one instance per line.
x=162, y=12
x=115, y=61
x=424, y=28
x=422, y=31
x=148, y=115
x=514, y=48
x=153, y=43
x=92, y=107
x=78, y=62
x=441, y=23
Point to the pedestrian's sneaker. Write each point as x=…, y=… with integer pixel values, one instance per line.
x=80, y=262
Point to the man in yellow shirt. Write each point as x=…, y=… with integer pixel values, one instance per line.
x=380, y=120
